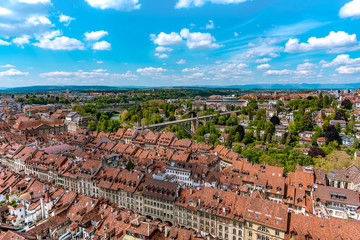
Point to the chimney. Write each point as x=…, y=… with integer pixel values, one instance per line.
x=191, y=191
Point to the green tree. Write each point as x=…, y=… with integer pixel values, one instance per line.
x=130, y=165
x=92, y=126
x=125, y=115
x=292, y=128
x=248, y=138
x=307, y=123
x=356, y=144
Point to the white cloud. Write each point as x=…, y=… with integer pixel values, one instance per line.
x=263, y=66
x=35, y=1
x=181, y=61
x=190, y=69
x=305, y=66
x=333, y=40
x=95, y=35
x=4, y=43
x=289, y=72
x=198, y=40
x=38, y=20
x=163, y=49
x=241, y=65
x=48, y=35
x=200, y=3
x=7, y=66
x=124, y=5
x=99, y=62
x=103, y=45
x=350, y=9
x=60, y=43
x=236, y=34
x=164, y=39
x=163, y=55
x=96, y=73
x=348, y=69
x=20, y=41
x=65, y=19
x=279, y=72
x=128, y=75
x=210, y=25
x=262, y=60
x=151, y=71
x=12, y=73
x=5, y=11
x=343, y=59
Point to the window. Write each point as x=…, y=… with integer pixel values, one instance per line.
x=277, y=233
x=250, y=233
x=250, y=225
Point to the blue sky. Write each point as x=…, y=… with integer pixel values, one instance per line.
x=178, y=42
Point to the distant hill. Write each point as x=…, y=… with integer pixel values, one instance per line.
x=36, y=89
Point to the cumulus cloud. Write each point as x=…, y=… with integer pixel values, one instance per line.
x=65, y=19
x=151, y=71
x=123, y=5
x=200, y=3
x=94, y=75
x=38, y=20
x=289, y=72
x=263, y=66
x=241, y=65
x=333, y=40
x=97, y=73
x=210, y=25
x=163, y=49
x=191, y=69
x=5, y=11
x=198, y=40
x=305, y=66
x=262, y=60
x=348, y=69
x=164, y=39
x=13, y=73
x=4, y=43
x=161, y=55
x=343, y=59
x=128, y=76
x=7, y=66
x=103, y=45
x=181, y=61
x=60, y=43
x=21, y=41
x=350, y=9
x=24, y=17
x=95, y=35
x=279, y=72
